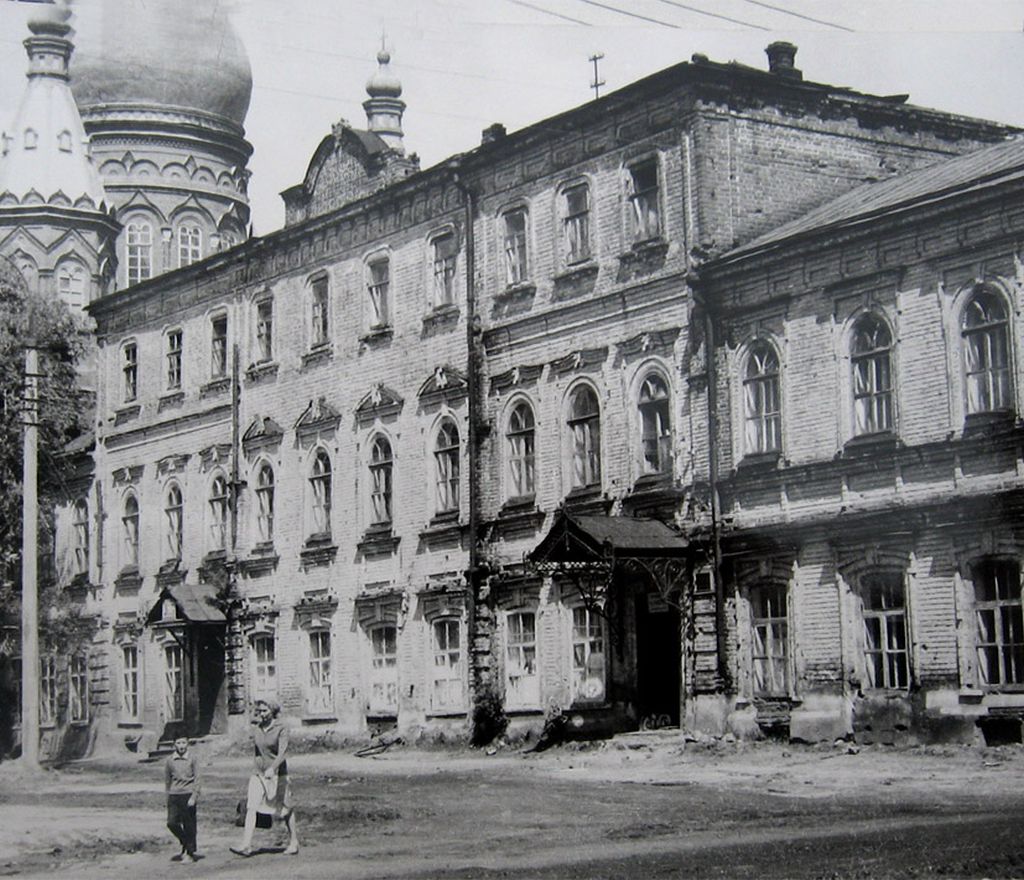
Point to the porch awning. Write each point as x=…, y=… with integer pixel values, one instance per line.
x=586, y=538
x=190, y=603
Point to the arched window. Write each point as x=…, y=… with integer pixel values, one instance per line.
x=190, y=245
x=520, y=441
x=381, y=476
x=139, y=251
x=319, y=694
x=71, y=285
x=871, y=362
x=984, y=327
x=585, y=435
x=446, y=466
x=320, y=495
x=173, y=521
x=655, y=425
x=130, y=531
x=265, y=504
x=218, y=512
x=575, y=209
x=81, y=536
x=761, y=400
x=320, y=329
x=514, y=240
x=378, y=286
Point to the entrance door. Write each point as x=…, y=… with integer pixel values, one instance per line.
x=210, y=712
x=657, y=660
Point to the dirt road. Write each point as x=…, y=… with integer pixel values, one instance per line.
x=637, y=807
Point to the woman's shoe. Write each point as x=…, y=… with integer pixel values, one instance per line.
x=292, y=850
x=245, y=851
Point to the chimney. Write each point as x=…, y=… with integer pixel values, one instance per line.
x=780, y=60
x=493, y=132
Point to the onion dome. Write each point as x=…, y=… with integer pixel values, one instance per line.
x=44, y=157
x=383, y=83
x=144, y=55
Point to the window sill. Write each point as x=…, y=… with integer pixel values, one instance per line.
x=79, y=584
x=130, y=725
x=587, y=500
x=446, y=713
x=759, y=461
x=983, y=424
x=128, y=579
x=521, y=289
x=214, y=387
x=577, y=272
x=127, y=413
x=382, y=716
x=442, y=317
x=318, y=550
x=523, y=711
x=520, y=513
x=869, y=445
x=170, y=572
x=262, y=370
x=442, y=526
x=261, y=560
x=378, y=540
x=319, y=719
x=319, y=354
x=172, y=399
x=378, y=335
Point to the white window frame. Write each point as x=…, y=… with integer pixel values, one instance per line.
x=174, y=347
x=174, y=521
x=219, y=328
x=998, y=624
x=319, y=311
x=654, y=414
x=770, y=654
x=588, y=659
x=78, y=688
x=761, y=398
x=988, y=383
x=130, y=371
x=447, y=454
x=71, y=284
x=320, y=483
x=49, y=693
x=522, y=654
x=647, y=222
x=382, y=481
x=872, y=388
x=131, y=680
x=319, y=681
x=263, y=331
x=447, y=690
x=378, y=291
x=887, y=653
x=520, y=451
x=130, y=530
x=174, y=681
x=444, y=268
x=264, y=665
x=190, y=244
x=81, y=529
x=265, y=501
x=584, y=438
x=382, y=693
x=217, y=507
x=515, y=244
x=576, y=229
x=138, y=251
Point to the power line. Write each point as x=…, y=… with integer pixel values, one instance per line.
x=550, y=12
x=715, y=15
x=784, y=11
x=667, y=24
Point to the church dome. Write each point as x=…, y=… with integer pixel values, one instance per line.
x=384, y=83
x=182, y=56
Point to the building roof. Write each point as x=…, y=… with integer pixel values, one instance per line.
x=581, y=538
x=131, y=54
x=975, y=170
x=196, y=603
x=44, y=157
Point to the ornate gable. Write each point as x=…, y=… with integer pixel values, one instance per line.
x=445, y=383
x=379, y=403
x=261, y=433
x=318, y=416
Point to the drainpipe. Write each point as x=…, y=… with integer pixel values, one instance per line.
x=694, y=282
x=475, y=574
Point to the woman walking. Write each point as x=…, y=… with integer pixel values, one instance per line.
x=269, y=788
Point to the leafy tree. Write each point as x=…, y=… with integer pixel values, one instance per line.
x=61, y=338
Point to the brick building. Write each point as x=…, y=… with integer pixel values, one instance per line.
x=450, y=445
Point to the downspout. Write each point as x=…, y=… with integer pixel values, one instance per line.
x=716, y=537
x=475, y=575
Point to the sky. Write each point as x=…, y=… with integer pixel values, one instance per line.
x=465, y=64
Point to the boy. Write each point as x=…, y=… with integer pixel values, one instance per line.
x=181, y=782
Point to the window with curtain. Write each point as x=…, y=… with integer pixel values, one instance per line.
x=576, y=223
x=446, y=467
x=886, y=653
x=130, y=531
x=644, y=200
x=445, y=256
x=585, y=436
x=999, y=622
x=762, y=400
x=379, y=289
x=871, y=362
x=265, y=330
x=173, y=521
x=265, y=504
x=985, y=331
x=655, y=425
x=381, y=476
x=218, y=513
x=520, y=442
x=320, y=495
x=514, y=240
x=81, y=536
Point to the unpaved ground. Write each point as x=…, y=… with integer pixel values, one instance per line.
x=637, y=807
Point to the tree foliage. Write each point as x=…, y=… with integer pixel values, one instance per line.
x=60, y=337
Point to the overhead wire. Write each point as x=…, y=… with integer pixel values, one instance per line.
x=537, y=8
x=784, y=11
x=636, y=15
x=718, y=15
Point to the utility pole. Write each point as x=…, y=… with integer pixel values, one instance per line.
x=597, y=83
x=29, y=565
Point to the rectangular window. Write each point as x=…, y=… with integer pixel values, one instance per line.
x=885, y=631
x=174, y=683
x=447, y=685
x=48, y=690
x=265, y=331
x=515, y=246
x=320, y=331
x=319, y=698
x=174, y=359
x=577, y=223
x=445, y=253
x=522, y=683
x=379, y=290
x=643, y=197
x=384, y=670
x=770, y=632
x=130, y=371
x=129, y=683
x=139, y=246
x=78, y=690
x=1000, y=626
x=190, y=245
x=588, y=655
x=219, y=347
x=264, y=668
x=81, y=537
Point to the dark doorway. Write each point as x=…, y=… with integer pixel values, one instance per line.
x=657, y=660
x=211, y=702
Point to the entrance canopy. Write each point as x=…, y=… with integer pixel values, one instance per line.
x=589, y=550
x=186, y=603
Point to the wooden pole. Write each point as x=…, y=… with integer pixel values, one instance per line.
x=29, y=564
